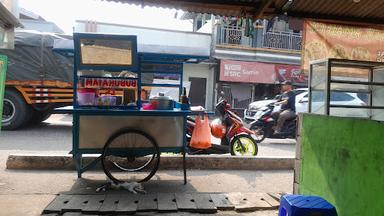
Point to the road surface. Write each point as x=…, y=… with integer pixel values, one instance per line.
x=55, y=134
x=27, y=192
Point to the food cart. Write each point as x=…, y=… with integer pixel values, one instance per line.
x=112, y=114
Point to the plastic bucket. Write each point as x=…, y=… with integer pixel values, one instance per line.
x=86, y=97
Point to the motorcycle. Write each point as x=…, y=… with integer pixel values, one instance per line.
x=265, y=123
x=235, y=137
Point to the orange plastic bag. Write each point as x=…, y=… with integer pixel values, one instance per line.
x=201, y=135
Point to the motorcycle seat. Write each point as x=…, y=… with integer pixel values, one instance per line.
x=292, y=118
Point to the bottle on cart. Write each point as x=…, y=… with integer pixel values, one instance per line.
x=183, y=98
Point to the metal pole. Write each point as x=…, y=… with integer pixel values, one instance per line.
x=328, y=86
x=184, y=167
x=3, y=70
x=370, y=92
x=310, y=88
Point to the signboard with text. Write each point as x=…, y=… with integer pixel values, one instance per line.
x=247, y=72
x=258, y=72
x=110, y=83
x=291, y=73
x=328, y=40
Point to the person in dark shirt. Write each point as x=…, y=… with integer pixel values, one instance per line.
x=288, y=108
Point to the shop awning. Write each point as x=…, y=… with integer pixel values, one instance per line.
x=370, y=11
x=223, y=8
x=7, y=19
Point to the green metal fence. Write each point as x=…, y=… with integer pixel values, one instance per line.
x=342, y=160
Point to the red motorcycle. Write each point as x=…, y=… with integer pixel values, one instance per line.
x=235, y=137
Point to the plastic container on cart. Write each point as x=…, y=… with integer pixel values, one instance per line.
x=162, y=102
x=86, y=96
x=147, y=106
x=105, y=101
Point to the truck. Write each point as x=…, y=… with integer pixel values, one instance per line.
x=39, y=78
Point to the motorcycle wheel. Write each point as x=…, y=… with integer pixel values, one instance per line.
x=244, y=145
x=259, y=134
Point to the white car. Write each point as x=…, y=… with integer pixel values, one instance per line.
x=318, y=106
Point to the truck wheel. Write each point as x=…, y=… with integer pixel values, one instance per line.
x=16, y=112
x=40, y=116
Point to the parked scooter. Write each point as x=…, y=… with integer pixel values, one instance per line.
x=235, y=137
x=265, y=124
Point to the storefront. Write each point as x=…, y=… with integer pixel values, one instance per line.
x=242, y=82
x=200, y=77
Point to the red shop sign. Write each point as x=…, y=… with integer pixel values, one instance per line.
x=247, y=72
x=291, y=73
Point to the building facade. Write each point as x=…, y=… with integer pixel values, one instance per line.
x=253, y=58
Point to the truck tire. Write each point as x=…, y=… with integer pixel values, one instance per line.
x=16, y=112
x=40, y=116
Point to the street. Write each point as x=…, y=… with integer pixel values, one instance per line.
x=55, y=135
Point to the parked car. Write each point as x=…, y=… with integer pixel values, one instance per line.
x=337, y=98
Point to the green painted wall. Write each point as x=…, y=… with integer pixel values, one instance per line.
x=343, y=161
x=3, y=70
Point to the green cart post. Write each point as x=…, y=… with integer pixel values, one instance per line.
x=3, y=70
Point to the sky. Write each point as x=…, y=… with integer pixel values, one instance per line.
x=65, y=12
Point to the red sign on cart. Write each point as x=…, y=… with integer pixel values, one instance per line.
x=110, y=83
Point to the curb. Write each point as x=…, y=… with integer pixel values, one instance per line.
x=65, y=162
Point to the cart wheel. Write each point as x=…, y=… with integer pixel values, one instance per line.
x=130, y=155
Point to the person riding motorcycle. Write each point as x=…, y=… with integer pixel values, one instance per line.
x=288, y=109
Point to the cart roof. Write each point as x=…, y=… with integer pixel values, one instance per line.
x=165, y=49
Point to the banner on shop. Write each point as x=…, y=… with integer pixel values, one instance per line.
x=328, y=40
x=257, y=72
x=247, y=72
x=291, y=73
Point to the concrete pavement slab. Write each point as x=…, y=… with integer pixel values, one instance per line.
x=220, y=162
x=37, y=188
x=25, y=192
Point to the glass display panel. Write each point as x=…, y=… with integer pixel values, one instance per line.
x=155, y=67
x=378, y=114
x=106, y=52
x=349, y=112
x=107, y=91
x=148, y=92
x=378, y=91
x=318, y=87
x=350, y=74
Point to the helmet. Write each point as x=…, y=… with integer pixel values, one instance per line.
x=218, y=129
